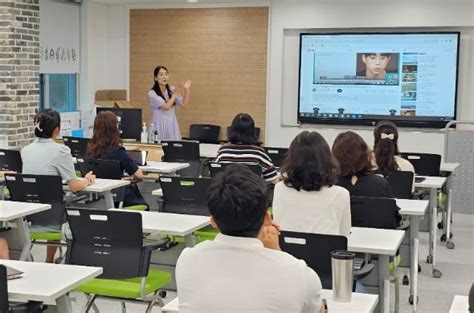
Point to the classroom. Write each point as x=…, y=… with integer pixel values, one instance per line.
x=236, y=156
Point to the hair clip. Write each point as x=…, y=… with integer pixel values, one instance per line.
x=387, y=136
x=37, y=126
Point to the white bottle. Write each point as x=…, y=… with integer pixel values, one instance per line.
x=151, y=136
x=144, y=134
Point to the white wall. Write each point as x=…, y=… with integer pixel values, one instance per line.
x=289, y=18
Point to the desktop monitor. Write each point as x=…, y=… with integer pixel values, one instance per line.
x=130, y=122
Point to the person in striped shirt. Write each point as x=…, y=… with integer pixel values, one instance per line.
x=243, y=148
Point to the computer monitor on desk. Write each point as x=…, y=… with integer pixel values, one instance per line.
x=130, y=122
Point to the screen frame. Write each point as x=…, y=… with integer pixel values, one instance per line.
x=406, y=121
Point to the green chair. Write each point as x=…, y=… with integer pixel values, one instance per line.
x=113, y=240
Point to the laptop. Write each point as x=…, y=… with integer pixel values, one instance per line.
x=139, y=156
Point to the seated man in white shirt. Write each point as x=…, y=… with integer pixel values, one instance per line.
x=243, y=269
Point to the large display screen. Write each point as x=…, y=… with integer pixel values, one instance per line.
x=360, y=79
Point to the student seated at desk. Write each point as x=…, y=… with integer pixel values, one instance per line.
x=44, y=156
x=307, y=200
x=243, y=269
x=354, y=159
x=107, y=145
x=243, y=147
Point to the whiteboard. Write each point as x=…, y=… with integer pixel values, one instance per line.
x=59, y=37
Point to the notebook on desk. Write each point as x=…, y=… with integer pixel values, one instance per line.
x=419, y=179
x=139, y=156
x=13, y=273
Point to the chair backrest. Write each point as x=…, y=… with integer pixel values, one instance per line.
x=10, y=160
x=112, y=240
x=177, y=151
x=185, y=195
x=257, y=133
x=215, y=168
x=374, y=212
x=401, y=183
x=39, y=189
x=276, y=154
x=4, y=306
x=107, y=169
x=77, y=145
x=205, y=133
x=426, y=164
x=315, y=250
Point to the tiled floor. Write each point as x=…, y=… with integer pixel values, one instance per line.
x=435, y=295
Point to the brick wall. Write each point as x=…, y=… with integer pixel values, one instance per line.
x=19, y=66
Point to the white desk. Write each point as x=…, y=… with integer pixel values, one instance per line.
x=47, y=282
x=449, y=167
x=384, y=243
x=16, y=211
x=460, y=304
x=360, y=303
x=208, y=150
x=433, y=183
x=173, y=224
x=414, y=209
x=163, y=167
x=104, y=186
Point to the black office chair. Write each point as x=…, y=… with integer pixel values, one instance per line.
x=204, y=133
x=107, y=169
x=215, y=168
x=77, y=145
x=29, y=307
x=10, y=160
x=185, y=195
x=113, y=240
x=425, y=164
x=40, y=189
x=183, y=152
x=315, y=250
x=375, y=212
x=257, y=133
x=276, y=154
x=401, y=183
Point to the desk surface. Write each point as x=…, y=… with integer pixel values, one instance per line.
x=412, y=206
x=101, y=185
x=460, y=304
x=431, y=182
x=46, y=282
x=375, y=241
x=360, y=303
x=163, y=167
x=10, y=210
x=170, y=223
x=449, y=167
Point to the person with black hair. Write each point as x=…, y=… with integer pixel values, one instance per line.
x=44, y=156
x=243, y=148
x=307, y=200
x=163, y=99
x=386, y=155
x=375, y=65
x=245, y=256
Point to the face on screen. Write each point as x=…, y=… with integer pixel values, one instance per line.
x=375, y=65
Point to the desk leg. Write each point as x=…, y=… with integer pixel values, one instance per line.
x=109, y=200
x=63, y=305
x=414, y=232
x=24, y=236
x=189, y=240
x=433, y=229
x=384, y=283
x=447, y=225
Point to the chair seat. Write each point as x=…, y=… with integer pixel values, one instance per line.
x=126, y=288
x=50, y=236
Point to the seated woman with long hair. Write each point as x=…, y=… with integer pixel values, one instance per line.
x=307, y=200
x=354, y=160
x=107, y=145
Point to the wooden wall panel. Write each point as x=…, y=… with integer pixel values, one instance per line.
x=222, y=50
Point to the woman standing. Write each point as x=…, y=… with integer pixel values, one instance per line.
x=163, y=98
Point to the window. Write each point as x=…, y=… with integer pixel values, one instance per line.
x=58, y=92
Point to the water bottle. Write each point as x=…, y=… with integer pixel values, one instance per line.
x=150, y=133
x=144, y=134
x=156, y=138
x=342, y=263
